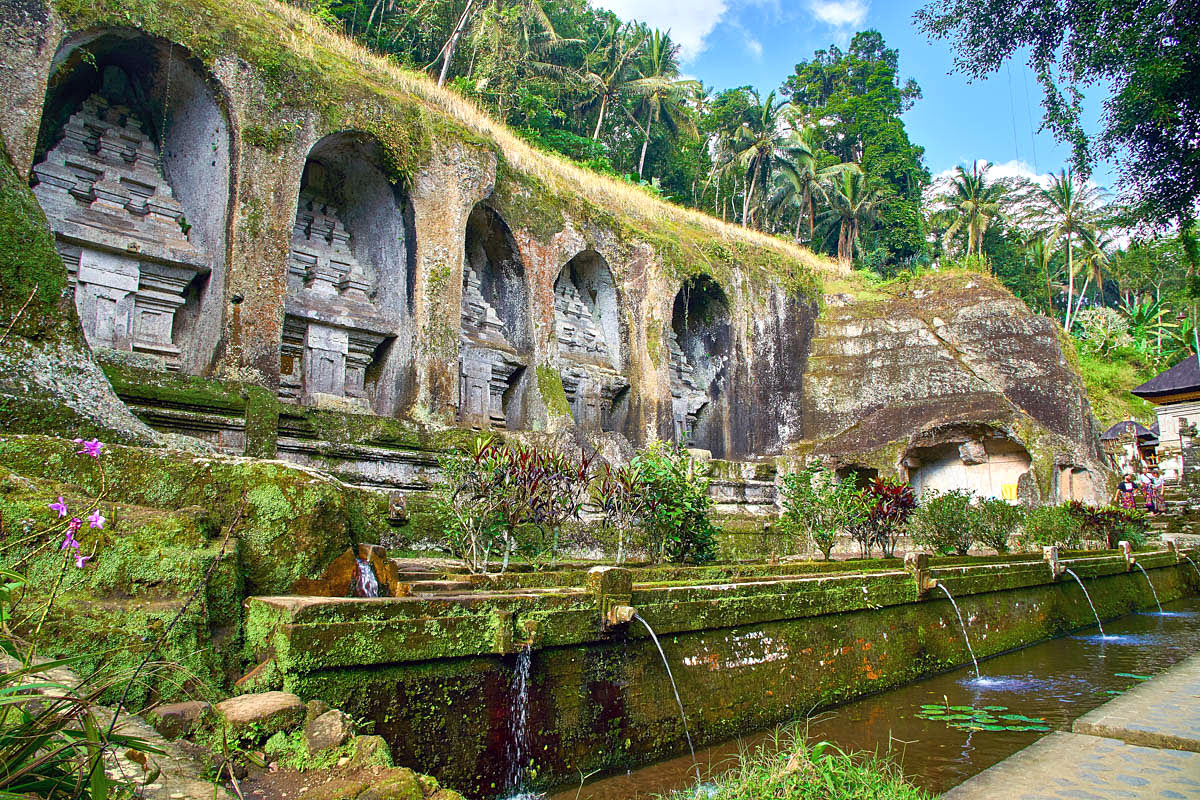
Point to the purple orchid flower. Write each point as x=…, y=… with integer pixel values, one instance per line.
x=80, y=560
x=96, y=520
x=91, y=448
x=60, y=507
x=70, y=541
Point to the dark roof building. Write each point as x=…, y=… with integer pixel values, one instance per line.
x=1129, y=426
x=1181, y=382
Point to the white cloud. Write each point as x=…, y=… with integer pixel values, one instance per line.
x=755, y=47
x=1007, y=169
x=689, y=21
x=840, y=13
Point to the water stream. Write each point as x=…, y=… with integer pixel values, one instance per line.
x=1057, y=681
x=367, y=585
x=963, y=625
x=674, y=689
x=1193, y=563
x=1089, y=599
x=1152, y=589
x=518, y=723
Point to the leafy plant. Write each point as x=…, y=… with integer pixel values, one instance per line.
x=1051, y=525
x=818, y=507
x=1110, y=524
x=1103, y=329
x=987, y=718
x=946, y=522
x=619, y=496
x=997, y=521
x=677, y=522
x=888, y=505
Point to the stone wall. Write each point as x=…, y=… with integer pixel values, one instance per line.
x=305, y=220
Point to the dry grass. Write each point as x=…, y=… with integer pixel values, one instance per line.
x=307, y=35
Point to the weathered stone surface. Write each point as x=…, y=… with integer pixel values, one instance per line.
x=338, y=789
x=331, y=729
x=371, y=751
x=1161, y=712
x=399, y=784
x=174, y=720
x=260, y=715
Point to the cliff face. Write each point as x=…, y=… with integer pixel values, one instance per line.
x=364, y=246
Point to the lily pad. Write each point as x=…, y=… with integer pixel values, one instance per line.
x=1131, y=675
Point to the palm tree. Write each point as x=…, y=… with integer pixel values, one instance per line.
x=663, y=94
x=530, y=11
x=758, y=145
x=609, y=68
x=1040, y=255
x=975, y=203
x=801, y=178
x=853, y=203
x=1067, y=210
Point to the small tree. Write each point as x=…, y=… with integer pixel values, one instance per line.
x=888, y=505
x=618, y=493
x=998, y=520
x=1051, y=525
x=818, y=507
x=946, y=522
x=677, y=521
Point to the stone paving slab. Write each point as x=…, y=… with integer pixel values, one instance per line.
x=1162, y=712
x=1072, y=766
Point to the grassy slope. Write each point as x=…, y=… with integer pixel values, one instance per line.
x=1108, y=380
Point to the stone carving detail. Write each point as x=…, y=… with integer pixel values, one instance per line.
x=488, y=363
x=332, y=329
x=687, y=399
x=120, y=231
x=589, y=374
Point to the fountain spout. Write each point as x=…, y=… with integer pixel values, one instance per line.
x=962, y=625
x=1126, y=550
x=1089, y=600
x=918, y=565
x=1050, y=554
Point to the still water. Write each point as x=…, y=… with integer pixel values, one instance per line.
x=947, y=728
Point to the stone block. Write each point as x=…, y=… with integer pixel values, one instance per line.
x=327, y=731
x=399, y=784
x=176, y=720
x=259, y=716
x=371, y=751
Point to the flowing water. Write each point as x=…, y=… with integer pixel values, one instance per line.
x=1152, y=589
x=1089, y=599
x=963, y=625
x=367, y=584
x=1193, y=563
x=678, y=702
x=518, y=721
x=1055, y=681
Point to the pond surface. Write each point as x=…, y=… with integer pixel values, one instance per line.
x=945, y=729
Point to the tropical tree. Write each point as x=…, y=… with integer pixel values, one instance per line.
x=609, y=69
x=663, y=94
x=854, y=202
x=802, y=178
x=758, y=146
x=975, y=203
x=1066, y=211
x=1040, y=255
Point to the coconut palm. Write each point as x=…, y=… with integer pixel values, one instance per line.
x=853, y=204
x=802, y=178
x=758, y=146
x=663, y=94
x=609, y=69
x=1066, y=211
x=1040, y=255
x=975, y=203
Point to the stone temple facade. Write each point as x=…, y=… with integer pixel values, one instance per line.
x=120, y=231
x=488, y=362
x=589, y=367
x=688, y=399
x=332, y=329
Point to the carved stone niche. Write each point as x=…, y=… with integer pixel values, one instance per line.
x=589, y=375
x=489, y=366
x=687, y=398
x=332, y=330
x=120, y=231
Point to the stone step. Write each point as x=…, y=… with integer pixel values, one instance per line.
x=440, y=586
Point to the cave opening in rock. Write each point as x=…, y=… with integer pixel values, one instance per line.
x=132, y=168
x=348, y=273
x=699, y=339
x=987, y=463
x=587, y=328
x=495, y=336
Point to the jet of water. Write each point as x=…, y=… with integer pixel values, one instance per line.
x=368, y=584
x=1089, y=599
x=518, y=720
x=1152, y=589
x=674, y=689
x=1193, y=563
x=963, y=625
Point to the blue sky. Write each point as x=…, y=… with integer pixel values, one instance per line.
x=758, y=42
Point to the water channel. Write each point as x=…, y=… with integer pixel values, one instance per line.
x=1042, y=687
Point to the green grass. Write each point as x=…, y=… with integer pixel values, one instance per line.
x=788, y=768
x=1108, y=380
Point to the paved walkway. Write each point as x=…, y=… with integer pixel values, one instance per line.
x=1143, y=744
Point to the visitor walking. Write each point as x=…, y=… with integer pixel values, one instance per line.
x=1146, y=484
x=1127, y=492
x=1156, y=492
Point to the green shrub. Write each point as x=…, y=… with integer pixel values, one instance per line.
x=946, y=522
x=817, y=507
x=998, y=520
x=677, y=523
x=1051, y=525
x=888, y=505
x=1110, y=524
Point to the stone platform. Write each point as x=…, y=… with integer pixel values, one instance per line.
x=1143, y=744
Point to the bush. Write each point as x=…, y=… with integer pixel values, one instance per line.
x=1110, y=524
x=1051, y=525
x=818, y=507
x=888, y=504
x=677, y=517
x=998, y=520
x=946, y=522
